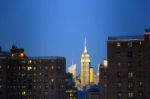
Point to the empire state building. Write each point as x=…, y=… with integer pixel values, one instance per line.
x=85, y=67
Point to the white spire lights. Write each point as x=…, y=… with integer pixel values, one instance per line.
x=85, y=46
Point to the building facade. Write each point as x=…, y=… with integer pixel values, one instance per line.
x=103, y=81
x=34, y=77
x=93, y=92
x=3, y=64
x=72, y=70
x=129, y=67
x=71, y=90
x=85, y=67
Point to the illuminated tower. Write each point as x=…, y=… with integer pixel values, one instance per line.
x=72, y=70
x=85, y=67
x=91, y=75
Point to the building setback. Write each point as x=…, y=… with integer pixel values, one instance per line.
x=32, y=77
x=129, y=67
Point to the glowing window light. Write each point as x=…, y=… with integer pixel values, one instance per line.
x=29, y=68
x=106, y=63
x=21, y=54
x=52, y=80
x=52, y=67
x=23, y=93
x=118, y=44
x=30, y=61
x=12, y=55
x=130, y=74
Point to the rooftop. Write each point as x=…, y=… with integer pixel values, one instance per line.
x=47, y=57
x=126, y=38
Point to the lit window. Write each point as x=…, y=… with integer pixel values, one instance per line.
x=52, y=80
x=46, y=86
x=12, y=55
x=0, y=86
x=30, y=61
x=46, y=67
x=130, y=94
x=21, y=54
x=105, y=63
x=119, y=64
x=40, y=74
x=34, y=87
x=119, y=84
x=140, y=43
x=52, y=67
x=29, y=68
x=0, y=66
x=23, y=93
x=130, y=44
x=119, y=94
x=8, y=67
x=34, y=80
x=118, y=44
x=34, y=68
x=130, y=74
x=141, y=83
x=71, y=94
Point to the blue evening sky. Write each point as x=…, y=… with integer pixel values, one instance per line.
x=58, y=27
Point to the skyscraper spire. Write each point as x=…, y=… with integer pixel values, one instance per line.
x=85, y=67
x=85, y=46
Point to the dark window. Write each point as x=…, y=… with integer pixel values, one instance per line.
x=119, y=95
x=29, y=87
x=130, y=84
x=118, y=74
x=52, y=86
x=130, y=54
x=46, y=75
x=129, y=64
x=46, y=86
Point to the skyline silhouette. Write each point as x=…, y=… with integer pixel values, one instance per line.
x=58, y=28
